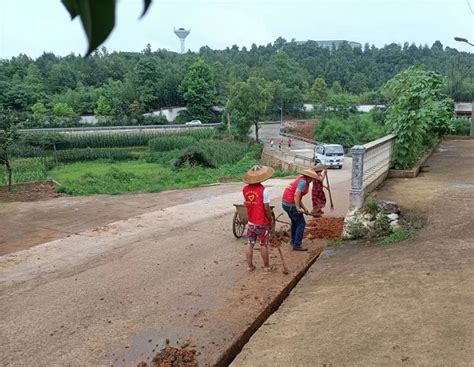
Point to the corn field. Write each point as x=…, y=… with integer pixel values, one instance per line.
x=89, y=154
x=225, y=152
x=123, y=140
x=166, y=143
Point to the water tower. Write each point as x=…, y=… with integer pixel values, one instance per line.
x=182, y=34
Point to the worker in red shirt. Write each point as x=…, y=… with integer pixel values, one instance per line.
x=292, y=204
x=257, y=201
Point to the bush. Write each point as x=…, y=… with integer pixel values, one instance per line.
x=194, y=156
x=153, y=120
x=418, y=113
x=352, y=130
x=88, y=154
x=462, y=126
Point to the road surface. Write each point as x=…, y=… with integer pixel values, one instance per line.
x=118, y=276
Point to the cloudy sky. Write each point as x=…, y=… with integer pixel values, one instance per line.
x=34, y=26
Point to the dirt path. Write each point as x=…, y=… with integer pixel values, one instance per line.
x=407, y=304
x=113, y=294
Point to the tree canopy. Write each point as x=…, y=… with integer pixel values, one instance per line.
x=137, y=82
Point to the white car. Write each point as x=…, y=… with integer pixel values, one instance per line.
x=194, y=122
x=331, y=155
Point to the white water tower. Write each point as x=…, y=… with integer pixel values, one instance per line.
x=182, y=34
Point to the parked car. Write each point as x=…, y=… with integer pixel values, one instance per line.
x=194, y=122
x=331, y=155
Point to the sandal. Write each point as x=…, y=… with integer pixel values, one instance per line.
x=251, y=269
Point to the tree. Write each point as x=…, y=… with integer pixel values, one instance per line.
x=418, y=112
x=358, y=84
x=336, y=88
x=248, y=103
x=63, y=110
x=146, y=79
x=8, y=136
x=103, y=107
x=40, y=114
x=318, y=92
x=198, y=89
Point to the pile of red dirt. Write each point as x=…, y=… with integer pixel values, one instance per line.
x=31, y=191
x=279, y=238
x=173, y=357
x=324, y=228
x=304, y=130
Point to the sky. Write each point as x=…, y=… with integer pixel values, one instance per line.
x=34, y=26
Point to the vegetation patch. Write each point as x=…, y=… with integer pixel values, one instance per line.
x=397, y=236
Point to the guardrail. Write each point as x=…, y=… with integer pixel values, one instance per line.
x=296, y=137
x=291, y=157
x=118, y=128
x=370, y=165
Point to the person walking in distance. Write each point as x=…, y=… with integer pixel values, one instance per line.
x=317, y=194
x=257, y=202
x=289, y=143
x=292, y=204
x=280, y=144
x=272, y=144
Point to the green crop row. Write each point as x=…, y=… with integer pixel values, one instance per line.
x=107, y=140
x=166, y=143
x=88, y=154
x=25, y=170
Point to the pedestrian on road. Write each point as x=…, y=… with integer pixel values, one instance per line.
x=292, y=204
x=317, y=195
x=280, y=144
x=272, y=144
x=289, y=143
x=257, y=202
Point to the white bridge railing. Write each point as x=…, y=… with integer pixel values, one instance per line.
x=370, y=165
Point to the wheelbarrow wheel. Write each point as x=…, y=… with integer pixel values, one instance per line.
x=238, y=228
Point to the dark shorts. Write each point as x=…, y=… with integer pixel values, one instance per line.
x=263, y=233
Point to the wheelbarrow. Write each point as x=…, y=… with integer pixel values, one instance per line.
x=240, y=220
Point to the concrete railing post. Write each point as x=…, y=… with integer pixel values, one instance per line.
x=357, y=190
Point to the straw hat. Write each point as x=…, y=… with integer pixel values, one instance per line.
x=308, y=173
x=319, y=167
x=258, y=174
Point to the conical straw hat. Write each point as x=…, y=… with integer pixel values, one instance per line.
x=308, y=173
x=258, y=174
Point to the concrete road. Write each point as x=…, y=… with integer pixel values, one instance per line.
x=407, y=304
x=272, y=131
x=150, y=267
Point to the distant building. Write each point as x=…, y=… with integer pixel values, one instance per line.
x=463, y=109
x=335, y=43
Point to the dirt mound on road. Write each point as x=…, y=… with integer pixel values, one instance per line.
x=173, y=357
x=320, y=228
x=325, y=228
x=32, y=191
